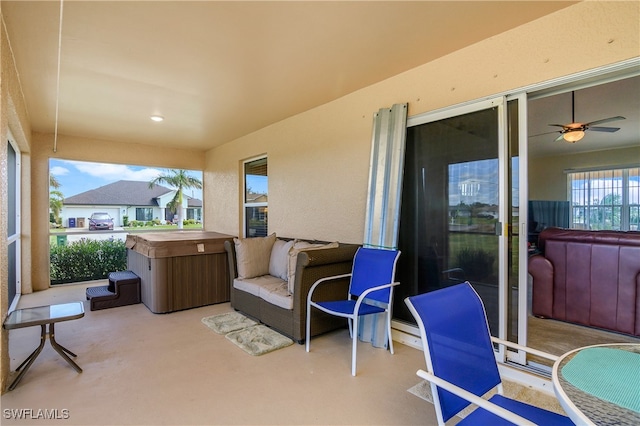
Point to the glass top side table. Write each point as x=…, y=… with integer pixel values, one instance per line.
x=44, y=316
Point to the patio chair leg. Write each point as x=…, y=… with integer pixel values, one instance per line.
x=355, y=345
x=389, y=332
x=308, y=328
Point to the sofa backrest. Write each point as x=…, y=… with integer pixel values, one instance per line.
x=596, y=276
x=624, y=238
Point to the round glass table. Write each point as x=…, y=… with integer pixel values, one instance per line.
x=600, y=384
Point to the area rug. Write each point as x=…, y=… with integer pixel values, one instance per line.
x=226, y=323
x=511, y=389
x=259, y=340
x=255, y=339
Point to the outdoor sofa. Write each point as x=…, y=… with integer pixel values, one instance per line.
x=270, y=278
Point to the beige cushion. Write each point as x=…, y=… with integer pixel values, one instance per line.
x=254, y=285
x=279, y=262
x=277, y=294
x=293, y=257
x=253, y=255
x=267, y=287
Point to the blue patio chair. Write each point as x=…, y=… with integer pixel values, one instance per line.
x=370, y=292
x=461, y=362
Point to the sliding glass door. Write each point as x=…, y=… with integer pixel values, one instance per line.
x=454, y=221
x=13, y=223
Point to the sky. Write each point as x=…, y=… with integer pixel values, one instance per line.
x=76, y=177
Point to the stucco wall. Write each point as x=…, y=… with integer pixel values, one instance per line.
x=13, y=117
x=319, y=160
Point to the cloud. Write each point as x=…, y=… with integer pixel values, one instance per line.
x=114, y=172
x=59, y=171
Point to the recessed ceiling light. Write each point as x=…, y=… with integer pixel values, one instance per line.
x=157, y=118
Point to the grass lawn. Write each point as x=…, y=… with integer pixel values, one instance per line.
x=486, y=242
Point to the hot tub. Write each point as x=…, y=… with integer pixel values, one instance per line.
x=179, y=270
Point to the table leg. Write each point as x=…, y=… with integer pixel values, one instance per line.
x=61, y=349
x=33, y=354
x=30, y=358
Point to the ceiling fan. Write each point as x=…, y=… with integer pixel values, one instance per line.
x=574, y=131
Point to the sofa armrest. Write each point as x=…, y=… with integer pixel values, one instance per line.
x=314, y=258
x=230, y=248
x=541, y=270
x=313, y=265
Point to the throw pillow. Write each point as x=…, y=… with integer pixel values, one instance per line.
x=253, y=255
x=279, y=261
x=293, y=257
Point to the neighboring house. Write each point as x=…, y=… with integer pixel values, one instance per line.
x=133, y=199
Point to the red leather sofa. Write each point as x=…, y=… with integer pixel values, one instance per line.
x=588, y=277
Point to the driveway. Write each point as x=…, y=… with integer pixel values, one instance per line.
x=75, y=234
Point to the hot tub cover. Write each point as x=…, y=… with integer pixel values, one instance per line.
x=157, y=245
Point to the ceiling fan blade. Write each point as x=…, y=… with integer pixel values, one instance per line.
x=559, y=138
x=603, y=129
x=545, y=133
x=558, y=125
x=606, y=120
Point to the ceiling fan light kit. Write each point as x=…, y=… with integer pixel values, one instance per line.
x=573, y=136
x=574, y=131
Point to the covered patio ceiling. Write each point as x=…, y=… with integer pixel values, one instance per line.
x=219, y=70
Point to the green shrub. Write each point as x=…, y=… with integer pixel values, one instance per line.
x=476, y=263
x=125, y=220
x=86, y=260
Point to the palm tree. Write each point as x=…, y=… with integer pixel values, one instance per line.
x=53, y=182
x=179, y=180
x=56, y=201
x=56, y=198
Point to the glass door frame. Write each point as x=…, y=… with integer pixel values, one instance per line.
x=408, y=333
x=499, y=102
x=520, y=356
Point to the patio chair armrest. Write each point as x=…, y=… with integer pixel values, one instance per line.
x=527, y=349
x=474, y=399
x=323, y=280
x=376, y=288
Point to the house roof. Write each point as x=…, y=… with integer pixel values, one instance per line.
x=125, y=193
x=194, y=202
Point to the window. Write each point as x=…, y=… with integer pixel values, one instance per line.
x=605, y=199
x=144, y=214
x=255, y=198
x=194, y=214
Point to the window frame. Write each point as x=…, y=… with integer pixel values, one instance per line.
x=625, y=204
x=14, y=233
x=247, y=204
x=144, y=210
